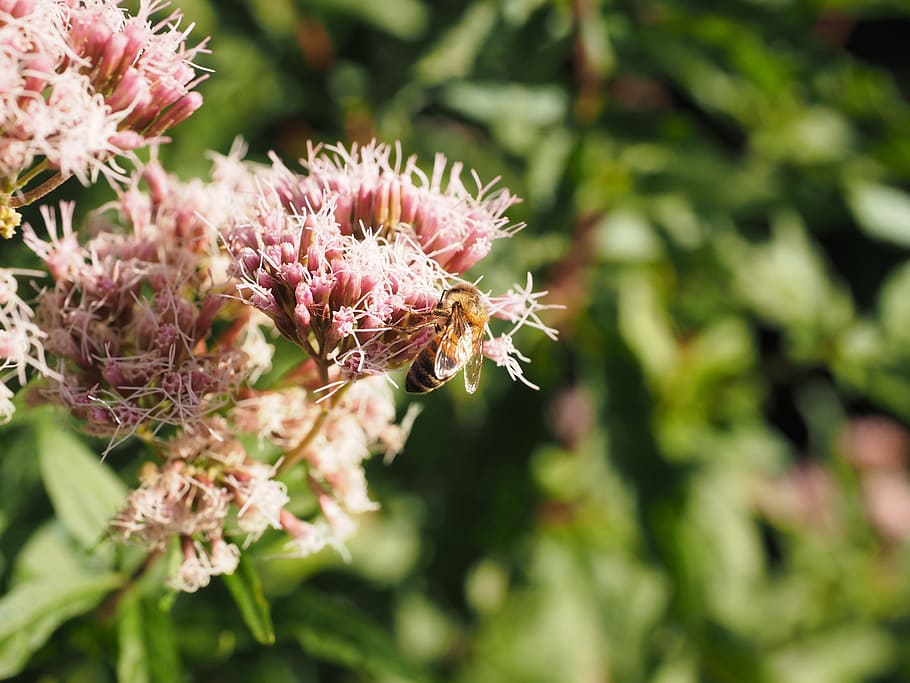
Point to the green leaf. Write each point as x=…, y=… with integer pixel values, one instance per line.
x=883, y=212
x=49, y=552
x=19, y=477
x=848, y=654
x=246, y=588
x=133, y=658
x=332, y=629
x=894, y=305
x=404, y=19
x=148, y=650
x=31, y=612
x=454, y=53
x=85, y=493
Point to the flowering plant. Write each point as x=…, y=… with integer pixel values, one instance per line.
x=157, y=327
x=84, y=83
x=155, y=318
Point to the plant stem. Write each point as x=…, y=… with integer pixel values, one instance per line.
x=297, y=454
x=48, y=185
x=31, y=173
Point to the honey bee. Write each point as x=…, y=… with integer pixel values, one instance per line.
x=461, y=319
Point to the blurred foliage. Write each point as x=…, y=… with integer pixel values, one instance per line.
x=712, y=483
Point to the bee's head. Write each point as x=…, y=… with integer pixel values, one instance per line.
x=467, y=298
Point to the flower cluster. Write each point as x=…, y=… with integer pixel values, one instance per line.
x=157, y=329
x=350, y=257
x=130, y=314
x=205, y=471
x=208, y=488
x=371, y=189
x=21, y=340
x=83, y=82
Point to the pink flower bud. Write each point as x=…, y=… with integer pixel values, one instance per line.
x=113, y=375
x=127, y=140
x=157, y=181
x=17, y=9
x=37, y=70
x=130, y=91
x=180, y=111
x=293, y=274
x=167, y=336
x=110, y=64
x=302, y=317
x=321, y=288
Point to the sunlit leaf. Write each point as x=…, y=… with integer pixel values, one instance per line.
x=882, y=211
x=335, y=630
x=49, y=552
x=404, y=19
x=246, y=589
x=84, y=491
x=454, y=53
x=147, y=647
x=32, y=611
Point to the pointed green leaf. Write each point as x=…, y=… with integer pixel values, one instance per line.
x=453, y=54
x=405, y=19
x=84, y=491
x=148, y=650
x=334, y=630
x=49, y=552
x=246, y=588
x=882, y=211
x=31, y=612
x=133, y=657
x=19, y=477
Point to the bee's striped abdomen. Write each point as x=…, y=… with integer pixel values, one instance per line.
x=422, y=376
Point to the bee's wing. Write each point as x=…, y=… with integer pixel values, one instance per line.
x=474, y=364
x=454, y=345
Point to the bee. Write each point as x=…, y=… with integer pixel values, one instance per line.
x=461, y=318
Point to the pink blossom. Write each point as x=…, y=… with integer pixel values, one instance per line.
x=130, y=314
x=172, y=501
x=372, y=189
x=805, y=496
x=208, y=488
x=875, y=443
x=158, y=324
x=333, y=440
x=200, y=563
x=886, y=499
x=82, y=83
x=306, y=538
x=206, y=473
x=350, y=258
x=349, y=302
x=21, y=340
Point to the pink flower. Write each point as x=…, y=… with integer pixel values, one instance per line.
x=200, y=563
x=21, y=340
x=130, y=314
x=82, y=83
x=350, y=258
x=372, y=191
x=208, y=488
x=332, y=439
x=206, y=472
x=521, y=307
x=155, y=328
x=349, y=302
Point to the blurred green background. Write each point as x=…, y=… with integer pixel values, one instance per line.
x=712, y=483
